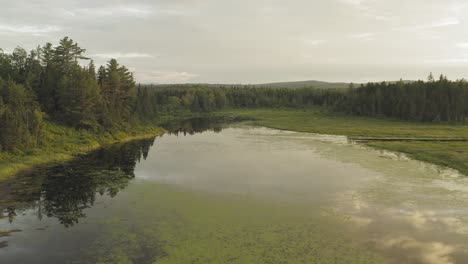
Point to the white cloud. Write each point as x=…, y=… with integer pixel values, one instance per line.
x=176, y=12
x=450, y=21
x=315, y=42
x=64, y=13
x=458, y=7
x=364, y=36
x=139, y=11
x=164, y=76
x=135, y=11
x=364, y=8
x=353, y=2
x=463, y=45
x=380, y=17
x=463, y=59
x=118, y=55
x=427, y=29
x=29, y=29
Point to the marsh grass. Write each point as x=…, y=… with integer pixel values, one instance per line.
x=319, y=120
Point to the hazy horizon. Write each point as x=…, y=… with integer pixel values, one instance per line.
x=251, y=42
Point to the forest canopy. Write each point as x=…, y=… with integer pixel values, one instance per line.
x=420, y=101
x=50, y=82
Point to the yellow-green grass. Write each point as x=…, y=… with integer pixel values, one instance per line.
x=62, y=143
x=449, y=154
x=319, y=120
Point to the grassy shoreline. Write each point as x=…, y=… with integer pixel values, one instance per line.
x=64, y=143
x=318, y=120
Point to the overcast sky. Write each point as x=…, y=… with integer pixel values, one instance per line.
x=253, y=41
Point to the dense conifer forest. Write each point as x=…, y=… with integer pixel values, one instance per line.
x=50, y=83
x=422, y=101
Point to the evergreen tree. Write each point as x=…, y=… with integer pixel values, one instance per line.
x=20, y=117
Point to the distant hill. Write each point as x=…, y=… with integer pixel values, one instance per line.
x=302, y=84
x=288, y=85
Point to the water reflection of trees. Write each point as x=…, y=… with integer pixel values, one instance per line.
x=195, y=125
x=64, y=191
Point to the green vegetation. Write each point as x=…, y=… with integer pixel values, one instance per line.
x=20, y=117
x=50, y=82
x=62, y=143
x=319, y=120
x=182, y=98
x=431, y=101
x=198, y=227
x=52, y=108
x=449, y=154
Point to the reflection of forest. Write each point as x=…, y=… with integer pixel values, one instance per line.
x=197, y=125
x=63, y=191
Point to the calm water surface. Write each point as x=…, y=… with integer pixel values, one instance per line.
x=241, y=194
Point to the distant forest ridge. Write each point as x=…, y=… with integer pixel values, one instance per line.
x=288, y=85
x=305, y=84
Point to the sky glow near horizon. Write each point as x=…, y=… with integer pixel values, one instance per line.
x=253, y=41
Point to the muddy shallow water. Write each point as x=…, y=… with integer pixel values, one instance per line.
x=241, y=194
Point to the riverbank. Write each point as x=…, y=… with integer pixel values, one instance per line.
x=63, y=143
x=319, y=120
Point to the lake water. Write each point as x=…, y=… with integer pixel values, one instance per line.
x=236, y=194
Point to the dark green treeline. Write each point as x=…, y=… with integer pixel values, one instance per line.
x=50, y=82
x=199, y=98
x=430, y=101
